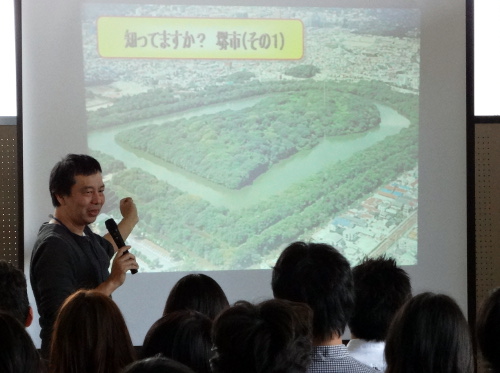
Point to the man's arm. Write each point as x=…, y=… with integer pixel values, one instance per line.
x=128, y=210
x=53, y=280
x=122, y=263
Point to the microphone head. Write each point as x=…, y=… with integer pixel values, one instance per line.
x=111, y=224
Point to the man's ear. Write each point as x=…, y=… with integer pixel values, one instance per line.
x=29, y=319
x=60, y=199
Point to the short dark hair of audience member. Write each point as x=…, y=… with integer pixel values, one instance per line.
x=183, y=336
x=90, y=335
x=273, y=336
x=488, y=330
x=17, y=351
x=380, y=288
x=157, y=364
x=429, y=334
x=62, y=176
x=318, y=275
x=197, y=292
x=14, y=293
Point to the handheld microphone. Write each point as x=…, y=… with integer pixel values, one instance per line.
x=117, y=237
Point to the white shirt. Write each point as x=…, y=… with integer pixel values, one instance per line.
x=367, y=352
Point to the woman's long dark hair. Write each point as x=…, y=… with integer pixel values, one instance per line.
x=197, y=292
x=183, y=336
x=488, y=330
x=90, y=335
x=429, y=334
x=17, y=351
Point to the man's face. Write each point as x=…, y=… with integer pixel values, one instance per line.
x=84, y=203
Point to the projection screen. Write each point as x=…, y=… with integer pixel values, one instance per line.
x=239, y=128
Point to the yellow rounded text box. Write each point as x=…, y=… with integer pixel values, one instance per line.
x=200, y=38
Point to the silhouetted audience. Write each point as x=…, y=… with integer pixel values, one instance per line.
x=17, y=351
x=14, y=293
x=380, y=288
x=197, y=292
x=488, y=330
x=270, y=337
x=318, y=275
x=316, y=295
x=183, y=336
x=429, y=334
x=90, y=335
x=157, y=364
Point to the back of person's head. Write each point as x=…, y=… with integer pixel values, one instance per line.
x=17, y=351
x=381, y=288
x=197, y=292
x=14, y=293
x=157, y=364
x=183, y=336
x=273, y=336
x=62, y=176
x=429, y=334
x=90, y=335
x=488, y=330
x=316, y=274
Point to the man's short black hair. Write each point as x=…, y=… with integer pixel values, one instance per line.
x=381, y=288
x=62, y=176
x=316, y=274
x=13, y=292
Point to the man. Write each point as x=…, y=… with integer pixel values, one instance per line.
x=14, y=293
x=67, y=255
x=381, y=288
x=318, y=275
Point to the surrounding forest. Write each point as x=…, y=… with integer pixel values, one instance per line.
x=234, y=147
x=202, y=236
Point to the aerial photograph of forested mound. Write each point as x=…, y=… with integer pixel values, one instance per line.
x=231, y=160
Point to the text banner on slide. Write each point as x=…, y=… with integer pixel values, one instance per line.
x=162, y=37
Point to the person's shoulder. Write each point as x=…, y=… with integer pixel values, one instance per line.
x=52, y=241
x=48, y=231
x=336, y=359
x=51, y=234
x=370, y=353
x=342, y=365
x=356, y=366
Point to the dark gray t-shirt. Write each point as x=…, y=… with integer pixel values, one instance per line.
x=61, y=263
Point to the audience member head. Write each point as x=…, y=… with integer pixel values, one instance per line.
x=183, y=336
x=429, y=334
x=62, y=176
x=317, y=274
x=380, y=288
x=14, y=293
x=157, y=364
x=197, y=292
x=90, y=335
x=273, y=336
x=488, y=330
x=17, y=351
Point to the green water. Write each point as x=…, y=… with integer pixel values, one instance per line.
x=279, y=177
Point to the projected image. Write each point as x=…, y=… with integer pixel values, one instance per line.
x=238, y=130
